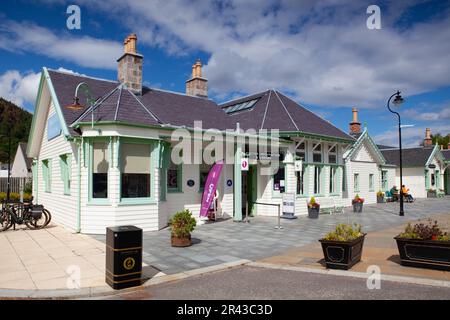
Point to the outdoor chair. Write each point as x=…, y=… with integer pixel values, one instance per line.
x=388, y=196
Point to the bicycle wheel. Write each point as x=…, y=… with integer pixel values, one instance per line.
x=34, y=221
x=4, y=220
x=49, y=216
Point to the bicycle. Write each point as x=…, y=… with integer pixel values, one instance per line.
x=33, y=216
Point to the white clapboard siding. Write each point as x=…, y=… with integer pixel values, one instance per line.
x=62, y=207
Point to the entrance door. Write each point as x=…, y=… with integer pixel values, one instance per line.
x=251, y=189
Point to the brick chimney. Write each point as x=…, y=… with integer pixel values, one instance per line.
x=355, y=125
x=197, y=85
x=130, y=66
x=427, y=142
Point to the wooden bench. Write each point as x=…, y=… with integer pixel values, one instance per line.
x=440, y=194
x=330, y=206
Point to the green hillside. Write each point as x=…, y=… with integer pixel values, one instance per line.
x=19, y=121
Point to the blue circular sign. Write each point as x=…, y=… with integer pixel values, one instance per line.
x=190, y=183
x=229, y=182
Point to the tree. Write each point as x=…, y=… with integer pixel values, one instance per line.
x=19, y=121
x=441, y=140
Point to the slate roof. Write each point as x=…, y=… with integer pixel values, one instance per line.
x=412, y=157
x=381, y=147
x=446, y=154
x=274, y=110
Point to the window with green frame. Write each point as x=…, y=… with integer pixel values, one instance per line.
x=318, y=171
x=99, y=170
x=135, y=172
x=427, y=179
x=301, y=181
x=333, y=179
x=47, y=174
x=64, y=163
x=371, y=184
x=356, y=182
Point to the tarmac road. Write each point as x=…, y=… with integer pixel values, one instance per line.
x=260, y=283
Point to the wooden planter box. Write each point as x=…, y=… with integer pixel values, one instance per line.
x=357, y=206
x=429, y=254
x=342, y=255
x=181, y=241
x=380, y=199
x=313, y=212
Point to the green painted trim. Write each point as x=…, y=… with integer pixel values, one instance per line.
x=237, y=196
x=371, y=182
x=154, y=160
x=56, y=102
x=64, y=166
x=313, y=136
x=91, y=200
x=47, y=173
x=358, y=142
x=427, y=179
x=305, y=181
x=383, y=187
x=322, y=177
x=78, y=229
x=178, y=189
x=436, y=152
x=356, y=185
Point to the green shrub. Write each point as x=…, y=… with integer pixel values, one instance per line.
x=344, y=232
x=421, y=231
x=13, y=196
x=28, y=188
x=182, y=223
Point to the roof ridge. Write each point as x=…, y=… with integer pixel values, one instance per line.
x=285, y=109
x=180, y=93
x=243, y=97
x=143, y=106
x=118, y=103
x=95, y=105
x=79, y=75
x=317, y=115
x=265, y=111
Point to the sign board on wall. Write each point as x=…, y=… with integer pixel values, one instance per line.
x=244, y=164
x=288, y=208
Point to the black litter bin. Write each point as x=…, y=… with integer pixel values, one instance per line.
x=123, y=256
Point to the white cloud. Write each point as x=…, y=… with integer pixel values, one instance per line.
x=441, y=113
x=18, y=88
x=319, y=50
x=85, y=51
x=411, y=137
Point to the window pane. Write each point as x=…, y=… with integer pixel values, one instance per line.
x=332, y=158
x=317, y=173
x=300, y=182
x=135, y=170
x=100, y=165
x=278, y=179
x=172, y=177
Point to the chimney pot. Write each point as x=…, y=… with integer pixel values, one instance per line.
x=197, y=85
x=130, y=65
x=355, y=125
x=428, y=141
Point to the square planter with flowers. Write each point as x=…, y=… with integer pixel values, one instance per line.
x=424, y=246
x=380, y=197
x=313, y=209
x=357, y=203
x=343, y=247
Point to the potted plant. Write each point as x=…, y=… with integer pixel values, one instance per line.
x=313, y=208
x=342, y=247
x=431, y=193
x=357, y=203
x=181, y=226
x=425, y=246
x=380, y=197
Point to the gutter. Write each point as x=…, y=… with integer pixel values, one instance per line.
x=78, y=228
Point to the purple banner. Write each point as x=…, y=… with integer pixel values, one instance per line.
x=210, y=187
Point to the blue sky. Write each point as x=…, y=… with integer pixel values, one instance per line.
x=319, y=52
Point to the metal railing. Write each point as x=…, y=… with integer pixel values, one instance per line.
x=266, y=204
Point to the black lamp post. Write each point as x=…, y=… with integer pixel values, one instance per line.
x=398, y=100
